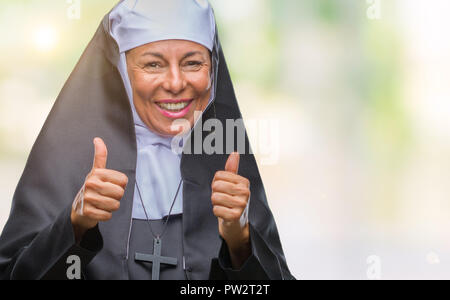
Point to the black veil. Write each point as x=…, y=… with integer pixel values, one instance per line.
x=38, y=236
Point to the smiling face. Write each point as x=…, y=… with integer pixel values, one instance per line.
x=170, y=80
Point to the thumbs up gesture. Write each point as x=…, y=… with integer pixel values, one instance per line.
x=230, y=196
x=100, y=195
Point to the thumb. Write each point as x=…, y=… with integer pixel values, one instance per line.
x=101, y=154
x=232, y=164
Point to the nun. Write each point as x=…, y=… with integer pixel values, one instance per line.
x=106, y=192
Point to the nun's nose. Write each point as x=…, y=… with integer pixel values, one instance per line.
x=175, y=82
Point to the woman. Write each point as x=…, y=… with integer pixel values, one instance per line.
x=153, y=71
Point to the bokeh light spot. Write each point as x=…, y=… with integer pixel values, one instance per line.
x=45, y=38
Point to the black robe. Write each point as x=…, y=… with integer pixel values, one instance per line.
x=38, y=237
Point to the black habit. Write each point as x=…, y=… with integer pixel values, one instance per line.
x=38, y=237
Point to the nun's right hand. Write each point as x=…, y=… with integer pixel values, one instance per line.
x=100, y=195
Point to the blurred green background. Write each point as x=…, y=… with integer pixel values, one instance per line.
x=359, y=91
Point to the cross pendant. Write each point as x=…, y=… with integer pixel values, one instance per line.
x=156, y=259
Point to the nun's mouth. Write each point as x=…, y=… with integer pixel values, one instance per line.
x=172, y=108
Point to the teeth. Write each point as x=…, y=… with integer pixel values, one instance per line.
x=173, y=106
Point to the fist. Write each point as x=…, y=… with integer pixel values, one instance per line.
x=100, y=195
x=230, y=196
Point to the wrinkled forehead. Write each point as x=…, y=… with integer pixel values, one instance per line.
x=170, y=49
x=134, y=23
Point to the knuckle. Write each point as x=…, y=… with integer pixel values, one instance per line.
x=92, y=200
x=215, y=177
x=121, y=193
x=104, y=217
x=216, y=210
x=216, y=202
x=216, y=185
x=116, y=192
x=87, y=212
x=91, y=184
x=236, y=215
x=125, y=179
x=241, y=190
x=241, y=204
x=88, y=184
x=88, y=196
x=95, y=172
x=116, y=205
x=214, y=198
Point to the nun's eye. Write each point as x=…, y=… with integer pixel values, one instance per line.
x=193, y=65
x=153, y=65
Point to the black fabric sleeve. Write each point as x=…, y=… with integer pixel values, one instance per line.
x=254, y=268
x=45, y=257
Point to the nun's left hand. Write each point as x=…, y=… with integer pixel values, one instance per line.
x=230, y=196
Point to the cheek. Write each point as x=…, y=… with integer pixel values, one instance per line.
x=201, y=83
x=144, y=86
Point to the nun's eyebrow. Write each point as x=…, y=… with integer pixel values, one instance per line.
x=159, y=55
x=189, y=54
